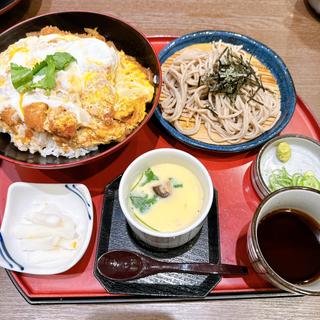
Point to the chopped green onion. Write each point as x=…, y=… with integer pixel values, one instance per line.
x=280, y=178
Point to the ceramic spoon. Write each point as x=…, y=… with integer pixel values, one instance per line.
x=127, y=265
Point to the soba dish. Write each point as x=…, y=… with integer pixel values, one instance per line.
x=219, y=94
x=64, y=94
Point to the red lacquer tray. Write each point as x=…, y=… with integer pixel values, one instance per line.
x=237, y=203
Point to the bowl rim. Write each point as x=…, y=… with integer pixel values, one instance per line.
x=257, y=163
x=270, y=273
x=117, y=145
x=240, y=147
x=9, y=6
x=158, y=234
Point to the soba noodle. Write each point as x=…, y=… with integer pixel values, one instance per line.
x=188, y=104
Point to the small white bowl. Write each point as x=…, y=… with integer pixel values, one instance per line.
x=305, y=156
x=73, y=200
x=299, y=198
x=165, y=240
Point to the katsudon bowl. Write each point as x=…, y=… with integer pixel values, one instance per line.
x=122, y=37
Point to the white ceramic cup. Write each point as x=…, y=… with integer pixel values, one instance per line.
x=299, y=198
x=165, y=240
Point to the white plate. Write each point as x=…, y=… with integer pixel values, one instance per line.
x=73, y=200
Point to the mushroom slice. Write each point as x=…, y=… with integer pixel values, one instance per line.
x=163, y=190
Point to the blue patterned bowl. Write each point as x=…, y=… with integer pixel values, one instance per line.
x=265, y=55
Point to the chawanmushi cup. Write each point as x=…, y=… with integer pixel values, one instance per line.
x=298, y=198
x=157, y=239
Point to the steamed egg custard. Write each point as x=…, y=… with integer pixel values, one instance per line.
x=65, y=94
x=166, y=197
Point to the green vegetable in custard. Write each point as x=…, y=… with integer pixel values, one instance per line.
x=136, y=184
x=175, y=183
x=143, y=202
x=280, y=178
x=283, y=151
x=146, y=224
x=22, y=78
x=148, y=177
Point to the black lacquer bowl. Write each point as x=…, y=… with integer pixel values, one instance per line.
x=6, y=5
x=116, y=234
x=124, y=36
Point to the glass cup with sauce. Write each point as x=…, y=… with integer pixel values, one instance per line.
x=283, y=240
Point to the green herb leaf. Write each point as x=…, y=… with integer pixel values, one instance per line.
x=148, y=177
x=40, y=68
x=143, y=203
x=22, y=78
x=62, y=60
x=48, y=82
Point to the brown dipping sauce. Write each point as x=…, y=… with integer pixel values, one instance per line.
x=290, y=242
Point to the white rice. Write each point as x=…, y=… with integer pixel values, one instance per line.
x=44, y=144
